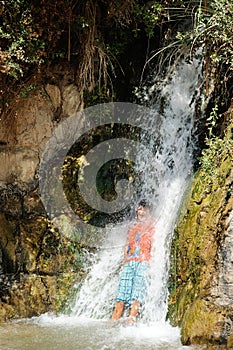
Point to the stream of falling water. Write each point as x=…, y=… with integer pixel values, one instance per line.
x=166, y=178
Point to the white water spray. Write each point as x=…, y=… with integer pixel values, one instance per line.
x=165, y=181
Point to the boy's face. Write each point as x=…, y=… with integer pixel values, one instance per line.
x=142, y=213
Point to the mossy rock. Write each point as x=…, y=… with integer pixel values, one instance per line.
x=203, y=322
x=230, y=342
x=196, y=257
x=8, y=243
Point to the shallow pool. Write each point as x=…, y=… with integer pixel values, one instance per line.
x=48, y=332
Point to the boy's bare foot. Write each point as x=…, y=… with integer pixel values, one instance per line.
x=131, y=320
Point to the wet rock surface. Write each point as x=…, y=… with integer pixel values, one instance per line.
x=201, y=282
x=38, y=265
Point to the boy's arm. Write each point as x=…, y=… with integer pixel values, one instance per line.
x=126, y=247
x=127, y=244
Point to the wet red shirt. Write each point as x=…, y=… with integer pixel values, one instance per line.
x=139, y=241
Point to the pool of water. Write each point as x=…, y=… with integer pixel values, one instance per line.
x=66, y=333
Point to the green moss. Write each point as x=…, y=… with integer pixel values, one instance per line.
x=202, y=320
x=65, y=291
x=195, y=250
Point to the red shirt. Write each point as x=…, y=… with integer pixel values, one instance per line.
x=139, y=241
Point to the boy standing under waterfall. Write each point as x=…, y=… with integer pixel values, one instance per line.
x=137, y=252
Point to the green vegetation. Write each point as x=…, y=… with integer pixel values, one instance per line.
x=99, y=39
x=91, y=36
x=29, y=33
x=196, y=245
x=150, y=16
x=33, y=33
x=219, y=147
x=213, y=30
x=194, y=252
x=212, y=38
x=217, y=150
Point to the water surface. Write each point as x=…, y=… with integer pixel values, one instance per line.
x=66, y=333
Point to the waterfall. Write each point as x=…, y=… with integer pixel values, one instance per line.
x=167, y=168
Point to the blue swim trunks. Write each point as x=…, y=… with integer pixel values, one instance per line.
x=132, y=284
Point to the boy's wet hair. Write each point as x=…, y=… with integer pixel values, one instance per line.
x=145, y=203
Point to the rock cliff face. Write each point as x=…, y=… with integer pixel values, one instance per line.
x=37, y=264
x=201, y=283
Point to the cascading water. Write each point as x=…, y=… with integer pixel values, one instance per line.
x=166, y=175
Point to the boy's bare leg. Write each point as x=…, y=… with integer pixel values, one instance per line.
x=118, y=311
x=133, y=311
